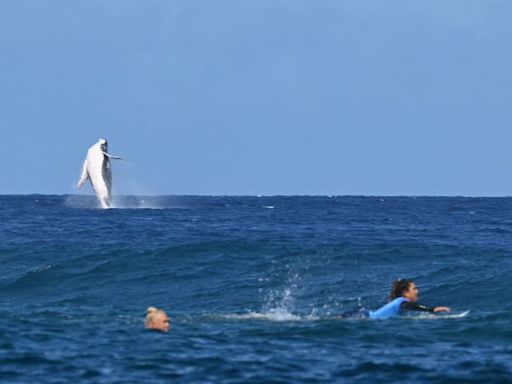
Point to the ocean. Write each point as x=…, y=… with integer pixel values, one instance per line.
x=253, y=287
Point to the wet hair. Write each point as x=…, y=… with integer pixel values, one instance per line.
x=151, y=313
x=399, y=287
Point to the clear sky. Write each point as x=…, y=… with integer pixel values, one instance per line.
x=259, y=97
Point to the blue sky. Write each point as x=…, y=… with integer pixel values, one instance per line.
x=259, y=97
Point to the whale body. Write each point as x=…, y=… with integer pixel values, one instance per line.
x=97, y=169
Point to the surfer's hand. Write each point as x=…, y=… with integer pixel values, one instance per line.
x=441, y=309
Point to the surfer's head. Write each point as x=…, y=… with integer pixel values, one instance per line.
x=157, y=319
x=404, y=288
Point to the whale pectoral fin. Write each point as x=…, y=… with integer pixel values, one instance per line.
x=83, y=177
x=114, y=157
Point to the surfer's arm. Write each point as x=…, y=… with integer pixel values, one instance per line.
x=412, y=306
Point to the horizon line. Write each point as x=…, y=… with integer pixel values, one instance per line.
x=263, y=195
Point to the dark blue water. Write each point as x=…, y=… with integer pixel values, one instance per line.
x=252, y=286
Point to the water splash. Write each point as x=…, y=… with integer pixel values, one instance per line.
x=280, y=303
x=121, y=202
x=272, y=315
x=138, y=202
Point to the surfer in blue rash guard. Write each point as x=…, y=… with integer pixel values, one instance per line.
x=403, y=298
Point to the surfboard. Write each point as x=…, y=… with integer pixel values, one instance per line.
x=455, y=315
x=434, y=316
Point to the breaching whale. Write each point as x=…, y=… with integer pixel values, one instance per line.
x=97, y=168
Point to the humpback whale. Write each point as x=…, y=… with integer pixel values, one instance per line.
x=97, y=169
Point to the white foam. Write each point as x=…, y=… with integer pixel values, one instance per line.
x=121, y=202
x=277, y=315
x=135, y=203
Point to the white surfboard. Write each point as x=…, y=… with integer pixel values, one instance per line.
x=455, y=315
x=440, y=315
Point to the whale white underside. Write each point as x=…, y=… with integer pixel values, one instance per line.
x=98, y=170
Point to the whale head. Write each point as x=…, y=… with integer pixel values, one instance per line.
x=103, y=145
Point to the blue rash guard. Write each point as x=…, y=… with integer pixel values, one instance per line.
x=391, y=309
x=397, y=306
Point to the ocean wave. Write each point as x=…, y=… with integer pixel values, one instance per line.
x=252, y=294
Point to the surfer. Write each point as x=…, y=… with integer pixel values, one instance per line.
x=403, y=298
x=157, y=319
